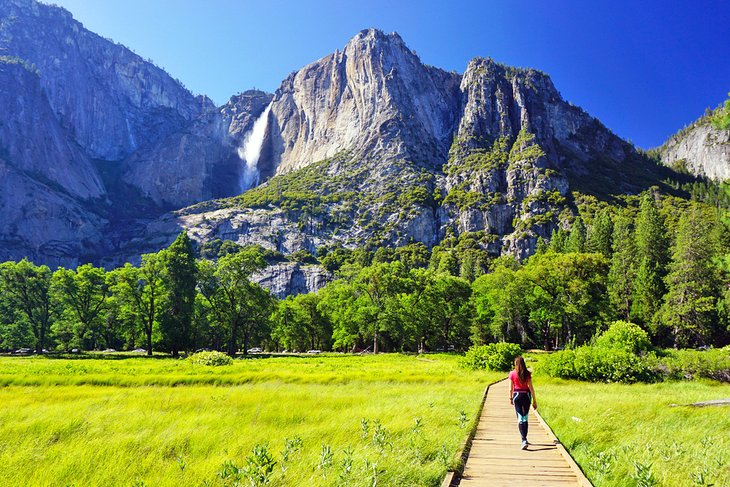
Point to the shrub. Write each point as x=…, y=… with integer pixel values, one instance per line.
x=494, y=356
x=212, y=358
x=689, y=364
x=598, y=364
x=626, y=336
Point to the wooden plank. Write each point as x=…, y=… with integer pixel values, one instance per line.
x=495, y=457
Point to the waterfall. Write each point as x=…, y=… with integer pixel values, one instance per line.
x=250, y=150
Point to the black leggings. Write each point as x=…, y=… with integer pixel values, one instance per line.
x=522, y=401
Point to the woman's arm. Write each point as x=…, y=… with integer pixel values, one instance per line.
x=532, y=393
x=511, y=390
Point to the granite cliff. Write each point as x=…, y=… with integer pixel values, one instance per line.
x=701, y=149
x=100, y=138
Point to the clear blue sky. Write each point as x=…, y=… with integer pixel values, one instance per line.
x=645, y=68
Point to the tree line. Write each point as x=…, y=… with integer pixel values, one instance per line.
x=662, y=263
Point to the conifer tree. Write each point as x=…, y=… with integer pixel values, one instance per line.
x=577, y=239
x=689, y=309
x=622, y=273
x=558, y=240
x=599, y=234
x=652, y=257
x=541, y=246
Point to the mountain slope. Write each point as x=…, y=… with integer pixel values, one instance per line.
x=100, y=138
x=701, y=149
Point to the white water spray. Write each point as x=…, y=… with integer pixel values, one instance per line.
x=250, y=151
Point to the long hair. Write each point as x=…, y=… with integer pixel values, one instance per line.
x=522, y=373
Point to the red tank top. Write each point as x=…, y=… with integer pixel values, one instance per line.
x=519, y=386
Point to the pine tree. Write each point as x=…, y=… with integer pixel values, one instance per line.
x=622, y=273
x=693, y=283
x=599, y=234
x=541, y=246
x=558, y=240
x=652, y=257
x=180, y=276
x=577, y=239
x=467, y=267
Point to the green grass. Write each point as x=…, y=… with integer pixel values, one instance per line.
x=620, y=434
x=157, y=422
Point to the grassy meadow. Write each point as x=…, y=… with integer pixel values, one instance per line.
x=350, y=420
x=629, y=435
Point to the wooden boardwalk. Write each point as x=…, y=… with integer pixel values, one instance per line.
x=495, y=457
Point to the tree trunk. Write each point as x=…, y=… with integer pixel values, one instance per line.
x=232, y=341
x=148, y=332
x=375, y=341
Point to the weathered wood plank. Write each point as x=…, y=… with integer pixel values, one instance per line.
x=496, y=458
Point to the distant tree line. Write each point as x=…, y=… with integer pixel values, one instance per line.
x=662, y=263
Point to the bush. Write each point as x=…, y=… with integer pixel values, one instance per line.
x=494, y=356
x=689, y=364
x=213, y=358
x=599, y=364
x=626, y=336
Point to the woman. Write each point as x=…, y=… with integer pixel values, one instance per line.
x=521, y=393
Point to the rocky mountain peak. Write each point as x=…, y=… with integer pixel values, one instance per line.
x=374, y=41
x=375, y=97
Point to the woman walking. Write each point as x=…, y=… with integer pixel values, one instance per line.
x=521, y=393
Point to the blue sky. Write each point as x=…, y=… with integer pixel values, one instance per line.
x=645, y=68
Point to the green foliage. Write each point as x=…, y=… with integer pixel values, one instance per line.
x=27, y=288
x=652, y=257
x=180, y=279
x=626, y=336
x=613, y=358
x=577, y=238
x=689, y=308
x=303, y=257
x=525, y=150
x=721, y=117
x=622, y=274
x=83, y=292
x=260, y=465
x=211, y=358
x=599, y=237
x=494, y=356
x=479, y=159
x=599, y=364
x=691, y=364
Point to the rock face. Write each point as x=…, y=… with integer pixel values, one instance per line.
x=97, y=138
x=701, y=149
x=374, y=98
x=292, y=278
x=109, y=99
x=47, y=184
